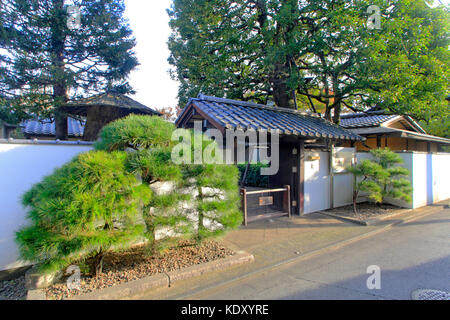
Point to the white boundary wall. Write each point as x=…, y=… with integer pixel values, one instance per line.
x=430, y=179
x=23, y=164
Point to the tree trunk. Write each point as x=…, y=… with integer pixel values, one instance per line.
x=97, y=264
x=337, y=113
x=58, y=38
x=200, y=225
x=355, y=198
x=281, y=93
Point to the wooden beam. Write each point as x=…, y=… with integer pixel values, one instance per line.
x=301, y=178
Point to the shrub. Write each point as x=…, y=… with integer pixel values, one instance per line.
x=136, y=132
x=87, y=207
x=254, y=177
x=381, y=177
x=216, y=189
x=96, y=203
x=152, y=160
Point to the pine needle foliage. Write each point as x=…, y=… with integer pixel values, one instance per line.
x=137, y=132
x=87, y=207
x=381, y=177
x=217, y=200
x=103, y=200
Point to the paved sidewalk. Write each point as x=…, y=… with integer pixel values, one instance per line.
x=279, y=241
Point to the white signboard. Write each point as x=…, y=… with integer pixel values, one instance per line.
x=342, y=158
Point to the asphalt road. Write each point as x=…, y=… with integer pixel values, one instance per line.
x=410, y=256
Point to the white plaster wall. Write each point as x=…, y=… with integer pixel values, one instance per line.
x=430, y=177
x=21, y=166
x=441, y=177
x=343, y=189
x=419, y=178
x=317, y=182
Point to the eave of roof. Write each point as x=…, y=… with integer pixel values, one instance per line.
x=239, y=115
x=376, y=119
x=400, y=133
x=79, y=107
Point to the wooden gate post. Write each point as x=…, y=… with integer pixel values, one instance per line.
x=244, y=205
x=287, y=200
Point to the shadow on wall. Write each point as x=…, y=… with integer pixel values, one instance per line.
x=21, y=166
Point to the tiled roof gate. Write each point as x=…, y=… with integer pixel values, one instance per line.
x=232, y=114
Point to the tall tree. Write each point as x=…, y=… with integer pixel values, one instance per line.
x=315, y=54
x=410, y=58
x=46, y=60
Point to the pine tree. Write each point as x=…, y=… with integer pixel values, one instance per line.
x=83, y=210
x=381, y=177
x=50, y=61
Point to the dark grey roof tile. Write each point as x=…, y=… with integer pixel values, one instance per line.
x=46, y=127
x=247, y=115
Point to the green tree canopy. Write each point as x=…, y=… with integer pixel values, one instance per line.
x=318, y=55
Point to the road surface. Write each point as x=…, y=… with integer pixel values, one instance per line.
x=410, y=256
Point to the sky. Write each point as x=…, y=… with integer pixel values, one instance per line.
x=151, y=80
x=149, y=22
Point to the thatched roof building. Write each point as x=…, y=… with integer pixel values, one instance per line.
x=104, y=108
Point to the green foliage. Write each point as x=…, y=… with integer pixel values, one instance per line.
x=254, y=177
x=88, y=206
x=44, y=63
x=438, y=127
x=95, y=203
x=409, y=59
x=154, y=165
x=381, y=177
x=319, y=51
x=150, y=137
x=217, y=201
x=137, y=132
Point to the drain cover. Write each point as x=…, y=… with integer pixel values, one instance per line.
x=430, y=294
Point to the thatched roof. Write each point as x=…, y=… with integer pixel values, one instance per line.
x=80, y=107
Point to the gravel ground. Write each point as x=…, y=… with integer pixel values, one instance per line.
x=13, y=289
x=366, y=211
x=135, y=264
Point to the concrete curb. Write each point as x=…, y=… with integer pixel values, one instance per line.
x=369, y=222
x=136, y=287
x=37, y=294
